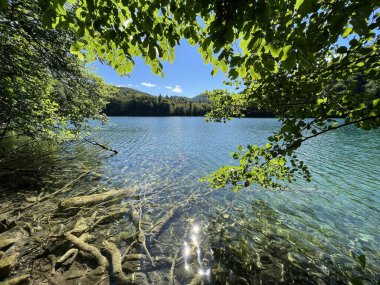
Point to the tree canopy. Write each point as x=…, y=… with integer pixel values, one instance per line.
x=288, y=54
x=45, y=91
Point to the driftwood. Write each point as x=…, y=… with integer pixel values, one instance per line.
x=68, y=257
x=94, y=142
x=4, y=243
x=20, y=280
x=83, y=224
x=6, y=264
x=142, y=240
x=111, y=216
x=156, y=230
x=89, y=200
x=102, y=261
x=114, y=252
x=143, y=257
x=136, y=219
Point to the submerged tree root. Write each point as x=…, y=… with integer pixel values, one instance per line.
x=20, y=280
x=102, y=261
x=89, y=200
x=136, y=218
x=157, y=229
x=117, y=269
x=68, y=258
x=53, y=243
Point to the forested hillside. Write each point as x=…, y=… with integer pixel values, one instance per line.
x=131, y=102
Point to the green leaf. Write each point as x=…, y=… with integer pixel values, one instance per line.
x=305, y=7
x=3, y=4
x=214, y=71
x=76, y=48
x=298, y=4
x=233, y=74
x=275, y=52
x=342, y=50
x=285, y=51
x=290, y=62
x=347, y=31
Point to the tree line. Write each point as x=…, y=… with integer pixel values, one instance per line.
x=131, y=102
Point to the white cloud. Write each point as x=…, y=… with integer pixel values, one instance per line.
x=148, y=84
x=121, y=85
x=177, y=89
x=130, y=85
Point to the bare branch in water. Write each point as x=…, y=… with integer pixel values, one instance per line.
x=94, y=142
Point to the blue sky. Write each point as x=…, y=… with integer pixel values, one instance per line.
x=187, y=76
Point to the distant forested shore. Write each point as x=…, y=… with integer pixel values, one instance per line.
x=131, y=102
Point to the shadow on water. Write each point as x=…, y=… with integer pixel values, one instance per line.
x=32, y=168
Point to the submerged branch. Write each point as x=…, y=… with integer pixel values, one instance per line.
x=94, y=142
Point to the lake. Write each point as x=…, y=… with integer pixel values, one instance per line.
x=309, y=234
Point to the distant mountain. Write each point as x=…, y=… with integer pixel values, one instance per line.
x=200, y=98
x=131, y=102
x=130, y=91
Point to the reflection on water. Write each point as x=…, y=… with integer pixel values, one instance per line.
x=307, y=235
x=195, y=261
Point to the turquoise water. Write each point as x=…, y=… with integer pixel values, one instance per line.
x=309, y=234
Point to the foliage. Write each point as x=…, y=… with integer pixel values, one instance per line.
x=277, y=161
x=289, y=54
x=45, y=91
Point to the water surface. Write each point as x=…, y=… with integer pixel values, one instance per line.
x=309, y=234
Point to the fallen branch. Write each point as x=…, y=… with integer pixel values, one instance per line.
x=172, y=268
x=7, y=264
x=142, y=240
x=136, y=219
x=89, y=200
x=6, y=242
x=111, y=216
x=94, y=142
x=114, y=252
x=142, y=257
x=102, y=261
x=68, y=257
x=23, y=279
x=126, y=251
x=159, y=226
